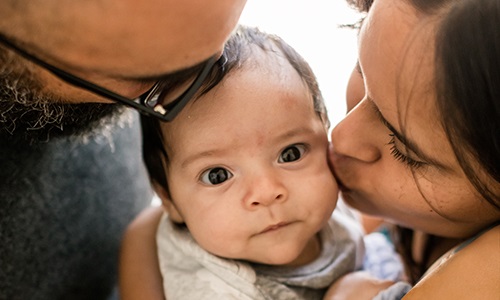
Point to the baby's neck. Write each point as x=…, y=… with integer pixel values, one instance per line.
x=311, y=252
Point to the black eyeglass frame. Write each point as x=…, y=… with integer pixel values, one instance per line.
x=147, y=103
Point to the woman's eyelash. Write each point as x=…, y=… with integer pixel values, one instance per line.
x=398, y=155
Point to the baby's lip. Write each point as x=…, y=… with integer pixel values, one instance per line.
x=274, y=227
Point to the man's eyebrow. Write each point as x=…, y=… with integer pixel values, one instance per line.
x=178, y=74
x=411, y=145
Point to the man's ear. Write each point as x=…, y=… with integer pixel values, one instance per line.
x=168, y=204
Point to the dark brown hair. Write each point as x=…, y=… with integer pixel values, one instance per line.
x=237, y=50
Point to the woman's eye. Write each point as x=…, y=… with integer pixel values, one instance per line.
x=292, y=153
x=398, y=155
x=215, y=176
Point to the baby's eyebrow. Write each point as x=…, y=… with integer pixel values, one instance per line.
x=199, y=155
x=294, y=132
x=299, y=131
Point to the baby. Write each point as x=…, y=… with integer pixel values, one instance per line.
x=243, y=176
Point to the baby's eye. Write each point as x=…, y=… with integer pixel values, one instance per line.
x=292, y=153
x=215, y=176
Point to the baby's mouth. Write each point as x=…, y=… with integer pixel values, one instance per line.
x=274, y=227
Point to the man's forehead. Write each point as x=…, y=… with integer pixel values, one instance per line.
x=141, y=38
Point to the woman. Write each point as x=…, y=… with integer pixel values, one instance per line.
x=422, y=147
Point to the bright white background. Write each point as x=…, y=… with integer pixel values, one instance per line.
x=312, y=28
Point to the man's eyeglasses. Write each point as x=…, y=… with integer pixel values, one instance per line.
x=150, y=103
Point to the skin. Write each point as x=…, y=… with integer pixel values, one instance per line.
x=396, y=89
x=275, y=200
x=269, y=210
x=115, y=43
x=124, y=46
x=139, y=274
x=394, y=83
x=377, y=183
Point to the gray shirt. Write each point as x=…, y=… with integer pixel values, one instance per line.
x=190, y=272
x=64, y=206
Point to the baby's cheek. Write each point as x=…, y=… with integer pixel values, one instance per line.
x=327, y=190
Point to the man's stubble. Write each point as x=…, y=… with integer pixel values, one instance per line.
x=29, y=113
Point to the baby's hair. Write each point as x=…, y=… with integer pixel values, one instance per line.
x=237, y=51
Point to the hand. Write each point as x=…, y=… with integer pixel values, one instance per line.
x=140, y=276
x=356, y=286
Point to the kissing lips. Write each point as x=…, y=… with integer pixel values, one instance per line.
x=341, y=185
x=343, y=188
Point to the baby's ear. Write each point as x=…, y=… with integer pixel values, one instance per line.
x=168, y=204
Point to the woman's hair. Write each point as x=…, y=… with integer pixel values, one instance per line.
x=467, y=82
x=468, y=85
x=237, y=51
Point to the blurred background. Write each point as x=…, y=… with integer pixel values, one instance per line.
x=313, y=29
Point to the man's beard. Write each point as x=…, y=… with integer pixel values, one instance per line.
x=29, y=114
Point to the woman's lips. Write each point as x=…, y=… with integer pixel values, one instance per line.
x=342, y=187
x=336, y=174
x=340, y=183
x=334, y=162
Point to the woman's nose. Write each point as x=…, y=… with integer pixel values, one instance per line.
x=265, y=190
x=357, y=135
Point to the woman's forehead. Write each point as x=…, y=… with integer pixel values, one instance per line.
x=397, y=52
x=397, y=61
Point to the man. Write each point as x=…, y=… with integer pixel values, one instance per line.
x=71, y=173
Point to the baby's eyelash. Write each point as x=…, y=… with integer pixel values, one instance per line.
x=398, y=155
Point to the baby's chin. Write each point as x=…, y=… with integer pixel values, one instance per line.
x=287, y=256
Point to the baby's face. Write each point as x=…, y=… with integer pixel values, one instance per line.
x=248, y=169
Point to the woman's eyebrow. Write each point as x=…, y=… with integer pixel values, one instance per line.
x=411, y=145
x=358, y=69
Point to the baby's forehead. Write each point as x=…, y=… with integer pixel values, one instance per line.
x=268, y=75
x=268, y=62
